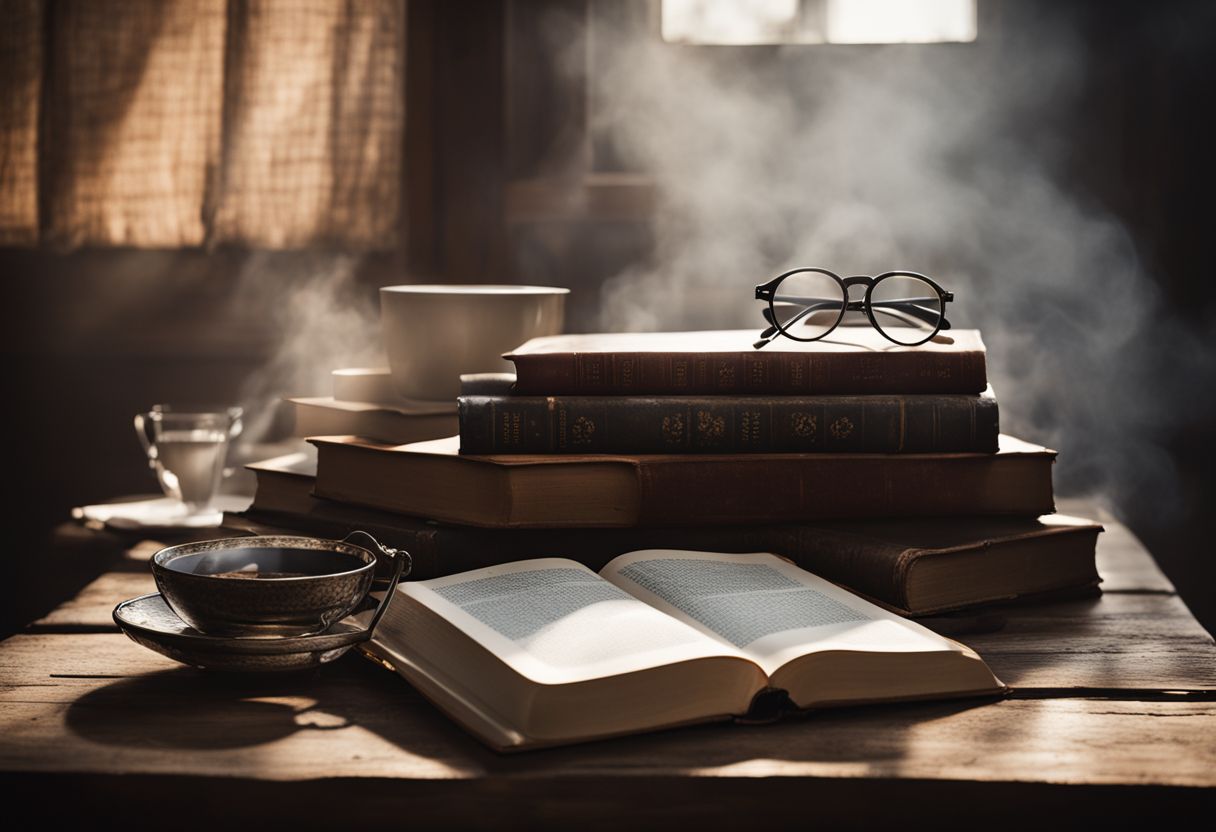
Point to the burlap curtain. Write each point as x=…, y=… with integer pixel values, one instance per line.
x=166, y=123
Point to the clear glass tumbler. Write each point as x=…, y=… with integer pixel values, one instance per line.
x=187, y=448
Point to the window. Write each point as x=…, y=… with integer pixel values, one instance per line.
x=730, y=22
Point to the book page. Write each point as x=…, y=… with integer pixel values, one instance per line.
x=764, y=606
x=555, y=621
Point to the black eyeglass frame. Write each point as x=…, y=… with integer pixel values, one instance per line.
x=767, y=292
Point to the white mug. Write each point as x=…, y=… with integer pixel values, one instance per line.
x=434, y=332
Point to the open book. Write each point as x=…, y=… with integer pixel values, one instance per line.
x=545, y=651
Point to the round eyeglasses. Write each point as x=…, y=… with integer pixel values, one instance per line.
x=806, y=304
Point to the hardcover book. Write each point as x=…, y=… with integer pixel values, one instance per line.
x=546, y=652
x=927, y=567
x=915, y=423
x=915, y=567
x=433, y=480
x=397, y=423
x=856, y=360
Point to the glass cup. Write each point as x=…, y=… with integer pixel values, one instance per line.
x=187, y=449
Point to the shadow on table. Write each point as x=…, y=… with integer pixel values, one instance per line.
x=193, y=710
x=190, y=709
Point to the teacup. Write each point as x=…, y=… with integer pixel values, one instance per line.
x=263, y=585
x=434, y=333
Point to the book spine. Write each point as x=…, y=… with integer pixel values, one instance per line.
x=774, y=372
x=875, y=568
x=724, y=424
x=438, y=550
x=684, y=490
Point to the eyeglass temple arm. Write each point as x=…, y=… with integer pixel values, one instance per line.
x=910, y=306
x=773, y=330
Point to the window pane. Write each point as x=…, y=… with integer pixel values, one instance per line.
x=900, y=21
x=740, y=22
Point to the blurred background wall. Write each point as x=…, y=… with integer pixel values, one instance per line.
x=1056, y=173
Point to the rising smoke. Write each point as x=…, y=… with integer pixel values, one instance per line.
x=943, y=160
x=319, y=317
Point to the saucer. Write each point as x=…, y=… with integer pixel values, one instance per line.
x=148, y=620
x=159, y=513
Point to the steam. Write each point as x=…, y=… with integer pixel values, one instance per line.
x=939, y=160
x=319, y=318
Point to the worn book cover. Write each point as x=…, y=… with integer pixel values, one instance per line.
x=912, y=423
x=850, y=360
x=433, y=480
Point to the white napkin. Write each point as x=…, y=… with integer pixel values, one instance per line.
x=160, y=513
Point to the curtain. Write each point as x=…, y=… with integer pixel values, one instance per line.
x=169, y=123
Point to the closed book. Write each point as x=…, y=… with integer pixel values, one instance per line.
x=916, y=567
x=546, y=651
x=930, y=566
x=283, y=484
x=915, y=423
x=850, y=360
x=433, y=480
x=398, y=423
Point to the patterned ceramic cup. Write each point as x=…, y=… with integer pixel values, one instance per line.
x=265, y=585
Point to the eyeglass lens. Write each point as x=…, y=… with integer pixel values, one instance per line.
x=807, y=305
x=906, y=308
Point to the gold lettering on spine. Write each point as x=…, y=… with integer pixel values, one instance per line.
x=726, y=376
x=757, y=373
x=511, y=427
x=803, y=425
x=593, y=370
x=749, y=427
x=673, y=429
x=797, y=372
x=582, y=430
x=842, y=427
x=628, y=373
x=710, y=428
x=679, y=373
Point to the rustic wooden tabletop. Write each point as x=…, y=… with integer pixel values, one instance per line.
x=1112, y=717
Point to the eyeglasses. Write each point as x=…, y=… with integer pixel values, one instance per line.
x=806, y=304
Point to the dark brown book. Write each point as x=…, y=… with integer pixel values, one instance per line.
x=925, y=567
x=991, y=560
x=850, y=360
x=916, y=423
x=431, y=479
x=915, y=566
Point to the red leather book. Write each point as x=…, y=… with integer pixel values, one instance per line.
x=855, y=360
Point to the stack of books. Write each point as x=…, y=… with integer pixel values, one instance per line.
x=664, y=461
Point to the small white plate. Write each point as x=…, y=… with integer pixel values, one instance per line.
x=144, y=514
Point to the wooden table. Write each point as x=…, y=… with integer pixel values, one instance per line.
x=1113, y=720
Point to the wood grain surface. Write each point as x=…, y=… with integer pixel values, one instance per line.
x=1112, y=714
